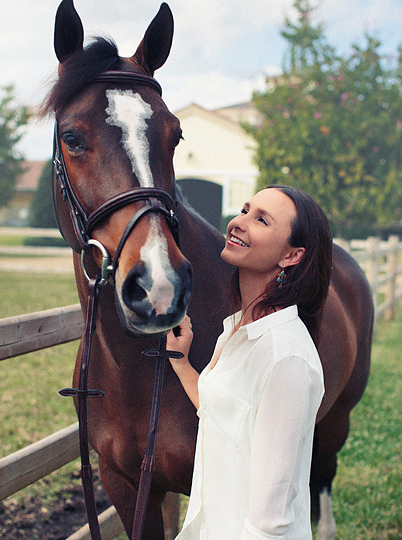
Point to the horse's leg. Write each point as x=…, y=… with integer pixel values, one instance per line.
x=331, y=434
x=120, y=494
x=323, y=469
x=123, y=497
x=171, y=514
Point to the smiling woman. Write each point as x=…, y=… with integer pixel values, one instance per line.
x=292, y=235
x=258, y=398
x=257, y=240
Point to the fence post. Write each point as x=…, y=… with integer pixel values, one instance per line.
x=372, y=269
x=392, y=268
x=344, y=244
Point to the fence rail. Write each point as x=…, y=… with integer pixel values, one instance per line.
x=32, y=332
x=381, y=261
x=18, y=335
x=40, y=330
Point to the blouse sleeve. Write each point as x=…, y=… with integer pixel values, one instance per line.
x=278, y=452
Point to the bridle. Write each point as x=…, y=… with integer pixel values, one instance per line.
x=156, y=201
x=83, y=222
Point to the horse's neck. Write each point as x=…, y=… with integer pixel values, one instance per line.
x=198, y=235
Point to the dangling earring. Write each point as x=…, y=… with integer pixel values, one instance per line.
x=281, y=279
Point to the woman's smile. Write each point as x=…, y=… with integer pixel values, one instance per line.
x=236, y=240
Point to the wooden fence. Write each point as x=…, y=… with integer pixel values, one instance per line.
x=32, y=332
x=381, y=262
x=35, y=331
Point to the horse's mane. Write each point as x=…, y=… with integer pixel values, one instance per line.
x=79, y=69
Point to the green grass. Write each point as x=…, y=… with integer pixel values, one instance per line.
x=12, y=240
x=30, y=406
x=368, y=487
x=22, y=293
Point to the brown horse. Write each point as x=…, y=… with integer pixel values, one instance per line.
x=116, y=138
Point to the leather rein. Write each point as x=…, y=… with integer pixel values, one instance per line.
x=158, y=201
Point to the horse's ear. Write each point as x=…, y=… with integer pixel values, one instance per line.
x=68, y=31
x=154, y=49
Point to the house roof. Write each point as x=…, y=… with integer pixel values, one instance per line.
x=29, y=179
x=195, y=110
x=229, y=117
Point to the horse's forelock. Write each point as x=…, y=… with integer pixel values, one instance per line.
x=79, y=70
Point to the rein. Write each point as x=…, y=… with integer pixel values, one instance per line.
x=156, y=200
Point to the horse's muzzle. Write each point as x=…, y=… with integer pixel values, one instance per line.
x=152, y=303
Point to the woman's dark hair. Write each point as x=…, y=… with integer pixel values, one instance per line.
x=308, y=281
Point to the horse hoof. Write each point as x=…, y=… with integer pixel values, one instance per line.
x=326, y=528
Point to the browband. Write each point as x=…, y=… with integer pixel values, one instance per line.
x=129, y=76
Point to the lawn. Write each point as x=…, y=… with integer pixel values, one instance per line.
x=30, y=406
x=368, y=487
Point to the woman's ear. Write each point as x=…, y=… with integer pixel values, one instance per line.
x=293, y=257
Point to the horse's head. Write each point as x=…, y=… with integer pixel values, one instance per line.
x=114, y=181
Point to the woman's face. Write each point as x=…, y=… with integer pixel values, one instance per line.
x=257, y=239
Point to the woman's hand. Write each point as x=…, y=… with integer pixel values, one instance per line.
x=184, y=370
x=182, y=342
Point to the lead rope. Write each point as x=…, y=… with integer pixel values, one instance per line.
x=82, y=393
x=148, y=463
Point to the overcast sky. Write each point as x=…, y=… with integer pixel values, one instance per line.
x=222, y=49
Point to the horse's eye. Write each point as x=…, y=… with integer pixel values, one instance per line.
x=72, y=143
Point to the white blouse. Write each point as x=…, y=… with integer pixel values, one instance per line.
x=257, y=414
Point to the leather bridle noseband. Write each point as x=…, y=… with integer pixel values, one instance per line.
x=158, y=201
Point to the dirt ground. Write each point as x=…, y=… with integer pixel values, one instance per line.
x=56, y=521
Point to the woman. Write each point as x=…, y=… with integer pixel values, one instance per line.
x=258, y=397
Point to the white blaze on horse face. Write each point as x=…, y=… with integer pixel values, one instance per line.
x=154, y=253
x=129, y=112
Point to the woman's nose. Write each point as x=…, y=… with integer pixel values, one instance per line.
x=237, y=223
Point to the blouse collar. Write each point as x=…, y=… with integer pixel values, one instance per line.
x=260, y=326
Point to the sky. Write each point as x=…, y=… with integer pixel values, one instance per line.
x=222, y=49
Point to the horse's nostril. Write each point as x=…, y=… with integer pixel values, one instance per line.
x=132, y=292
x=136, y=293
x=169, y=295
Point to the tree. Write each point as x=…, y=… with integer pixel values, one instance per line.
x=333, y=126
x=12, y=121
x=41, y=213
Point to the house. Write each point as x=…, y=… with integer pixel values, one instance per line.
x=216, y=149
x=15, y=214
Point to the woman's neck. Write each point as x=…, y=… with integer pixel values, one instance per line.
x=252, y=287
x=251, y=290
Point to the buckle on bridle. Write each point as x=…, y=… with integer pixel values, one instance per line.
x=106, y=266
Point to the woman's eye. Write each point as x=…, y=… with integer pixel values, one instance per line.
x=72, y=142
x=263, y=220
x=243, y=211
